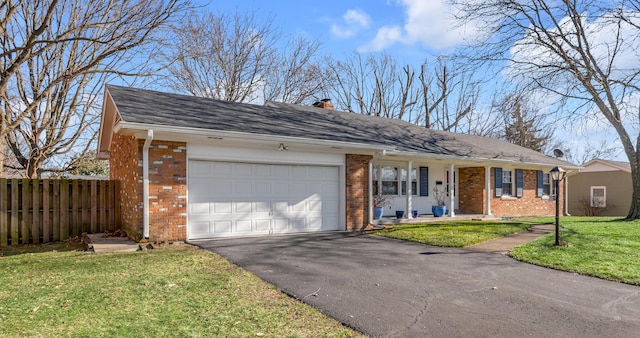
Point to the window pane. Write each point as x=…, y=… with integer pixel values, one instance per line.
x=389, y=174
x=507, y=185
x=598, y=197
x=389, y=187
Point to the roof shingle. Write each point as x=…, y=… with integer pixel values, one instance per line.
x=280, y=119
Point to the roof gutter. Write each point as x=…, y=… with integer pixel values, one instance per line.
x=133, y=126
x=145, y=182
x=481, y=159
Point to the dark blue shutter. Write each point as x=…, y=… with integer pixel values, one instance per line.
x=519, y=182
x=424, y=181
x=540, y=183
x=498, y=181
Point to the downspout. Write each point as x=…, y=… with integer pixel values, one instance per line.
x=382, y=154
x=145, y=182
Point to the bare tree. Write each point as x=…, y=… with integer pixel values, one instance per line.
x=583, y=52
x=294, y=75
x=374, y=85
x=55, y=58
x=239, y=58
x=449, y=93
x=438, y=98
x=523, y=125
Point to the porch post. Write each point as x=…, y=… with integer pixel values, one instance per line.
x=409, y=192
x=452, y=198
x=487, y=188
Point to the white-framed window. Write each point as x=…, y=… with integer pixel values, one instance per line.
x=507, y=182
x=598, y=197
x=546, y=184
x=414, y=181
x=389, y=176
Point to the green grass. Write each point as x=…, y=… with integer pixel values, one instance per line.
x=176, y=290
x=453, y=234
x=603, y=247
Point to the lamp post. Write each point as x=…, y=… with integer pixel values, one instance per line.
x=557, y=174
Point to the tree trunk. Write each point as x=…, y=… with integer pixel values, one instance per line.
x=634, y=209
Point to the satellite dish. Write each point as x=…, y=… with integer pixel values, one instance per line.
x=558, y=153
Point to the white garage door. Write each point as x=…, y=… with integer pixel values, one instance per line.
x=237, y=199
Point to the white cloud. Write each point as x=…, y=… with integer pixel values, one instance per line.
x=357, y=17
x=386, y=36
x=429, y=23
x=352, y=22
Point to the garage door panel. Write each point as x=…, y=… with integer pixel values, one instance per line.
x=242, y=170
x=315, y=223
x=262, y=188
x=222, y=227
x=199, y=169
x=299, y=206
x=222, y=207
x=262, y=225
x=262, y=207
x=281, y=188
x=243, y=207
x=281, y=225
x=280, y=171
x=234, y=199
x=297, y=224
x=244, y=226
x=199, y=229
x=199, y=208
x=243, y=188
x=220, y=169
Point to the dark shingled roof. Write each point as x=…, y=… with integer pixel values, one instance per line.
x=280, y=119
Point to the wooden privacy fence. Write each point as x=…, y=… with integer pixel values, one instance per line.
x=44, y=210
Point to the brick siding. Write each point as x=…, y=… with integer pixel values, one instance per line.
x=472, y=194
x=167, y=191
x=167, y=187
x=357, y=191
x=125, y=165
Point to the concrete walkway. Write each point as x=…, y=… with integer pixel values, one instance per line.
x=504, y=244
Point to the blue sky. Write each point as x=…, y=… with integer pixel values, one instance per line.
x=410, y=30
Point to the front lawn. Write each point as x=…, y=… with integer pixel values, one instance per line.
x=176, y=290
x=603, y=247
x=453, y=234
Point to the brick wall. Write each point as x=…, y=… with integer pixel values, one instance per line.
x=357, y=191
x=167, y=187
x=167, y=191
x=125, y=165
x=471, y=182
x=472, y=194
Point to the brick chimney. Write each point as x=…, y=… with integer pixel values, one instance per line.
x=324, y=104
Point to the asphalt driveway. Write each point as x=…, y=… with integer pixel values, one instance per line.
x=387, y=287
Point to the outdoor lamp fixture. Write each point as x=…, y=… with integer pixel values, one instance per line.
x=557, y=174
x=282, y=147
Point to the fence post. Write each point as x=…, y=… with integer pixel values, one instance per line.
x=35, y=214
x=46, y=212
x=4, y=212
x=56, y=210
x=75, y=200
x=64, y=209
x=15, y=205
